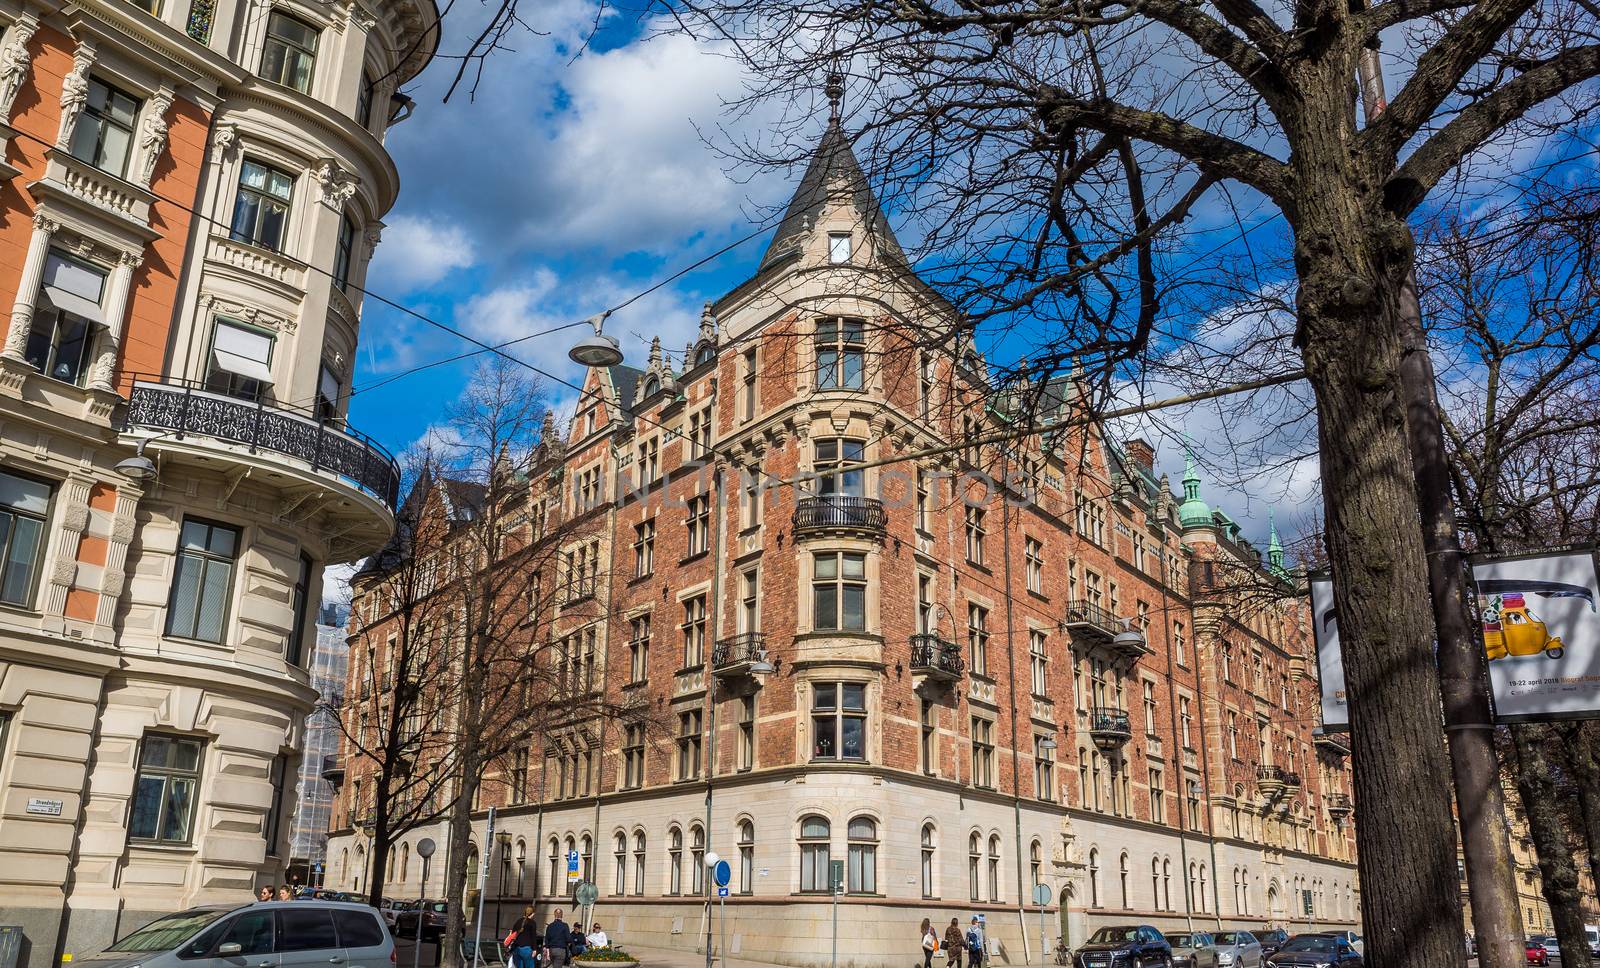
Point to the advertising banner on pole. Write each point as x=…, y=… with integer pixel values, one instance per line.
x=1330, y=661
x=1540, y=616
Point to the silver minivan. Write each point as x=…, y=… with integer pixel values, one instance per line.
x=286, y=934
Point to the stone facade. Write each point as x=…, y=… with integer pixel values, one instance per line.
x=960, y=695
x=180, y=178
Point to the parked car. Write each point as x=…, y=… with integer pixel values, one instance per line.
x=1316, y=949
x=1271, y=940
x=1126, y=946
x=1238, y=949
x=1552, y=946
x=1592, y=932
x=389, y=907
x=1536, y=953
x=290, y=934
x=1192, y=950
x=1350, y=937
x=432, y=915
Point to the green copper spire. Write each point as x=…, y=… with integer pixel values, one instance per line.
x=1274, y=546
x=1193, y=512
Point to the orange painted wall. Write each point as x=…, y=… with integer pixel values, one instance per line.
x=154, y=293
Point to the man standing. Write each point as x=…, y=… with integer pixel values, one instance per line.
x=557, y=935
x=954, y=942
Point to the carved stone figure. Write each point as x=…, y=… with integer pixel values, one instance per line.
x=153, y=136
x=222, y=141
x=14, y=65
x=337, y=184
x=74, y=93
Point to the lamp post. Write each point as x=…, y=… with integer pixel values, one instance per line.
x=1041, y=894
x=711, y=859
x=368, y=829
x=503, y=839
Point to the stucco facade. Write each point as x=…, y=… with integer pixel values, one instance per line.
x=169, y=300
x=871, y=666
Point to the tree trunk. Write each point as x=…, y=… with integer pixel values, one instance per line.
x=1583, y=759
x=1352, y=264
x=1558, y=869
x=456, y=885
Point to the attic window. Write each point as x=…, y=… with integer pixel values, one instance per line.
x=704, y=354
x=839, y=248
x=652, y=387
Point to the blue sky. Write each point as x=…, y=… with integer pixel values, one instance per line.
x=570, y=183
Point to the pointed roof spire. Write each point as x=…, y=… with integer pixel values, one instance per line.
x=1193, y=512
x=1274, y=546
x=834, y=89
x=655, y=353
x=708, y=325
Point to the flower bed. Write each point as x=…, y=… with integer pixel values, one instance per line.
x=605, y=956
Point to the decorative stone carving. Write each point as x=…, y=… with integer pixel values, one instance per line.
x=153, y=134
x=111, y=583
x=64, y=571
x=211, y=303
x=75, y=92
x=76, y=517
x=338, y=185
x=373, y=235
x=122, y=529
x=15, y=63
x=358, y=15
x=223, y=140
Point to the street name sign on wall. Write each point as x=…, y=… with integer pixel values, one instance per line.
x=1539, y=618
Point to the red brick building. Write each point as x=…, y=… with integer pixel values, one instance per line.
x=958, y=689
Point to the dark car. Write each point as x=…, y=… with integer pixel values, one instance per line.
x=433, y=915
x=1316, y=949
x=1124, y=946
x=1271, y=939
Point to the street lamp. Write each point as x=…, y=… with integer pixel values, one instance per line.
x=597, y=349
x=711, y=860
x=138, y=467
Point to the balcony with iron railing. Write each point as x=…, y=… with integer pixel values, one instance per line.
x=1331, y=744
x=1270, y=780
x=1109, y=727
x=936, y=659
x=839, y=513
x=740, y=655
x=183, y=421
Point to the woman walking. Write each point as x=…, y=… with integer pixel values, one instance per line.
x=527, y=938
x=930, y=943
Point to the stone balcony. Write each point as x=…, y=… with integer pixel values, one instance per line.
x=317, y=465
x=1270, y=781
x=279, y=273
x=119, y=205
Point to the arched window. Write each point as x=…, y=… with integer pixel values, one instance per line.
x=522, y=868
x=393, y=865
x=862, y=853
x=638, y=862
x=705, y=354
x=1205, y=901
x=814, y=854
x=674, y=861
x=361, y=866
x=697, y=857
x=927, y=860
x=1035, y=862
x=747, y=856
x=344, y=864
x=1194, y=887
x=587, y=853
x=974, y=858
x=1238, y=899
x=405, y=861
x=994, y=868
x=619, y=853
x=1094, y=877
x=1166, y=884
x=1122, y=876
x=1155, y=883
x=471, y=883
x=1244, y=888
x=652, y=386
x=554, y=883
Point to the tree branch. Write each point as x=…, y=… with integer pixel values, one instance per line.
x=1412, y=181
x=1254, y=67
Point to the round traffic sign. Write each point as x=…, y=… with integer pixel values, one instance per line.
x=1041, y=894
x=425, y=847
x=722, y=873
x=587, y=892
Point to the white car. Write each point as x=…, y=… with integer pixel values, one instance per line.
x=1349, y=936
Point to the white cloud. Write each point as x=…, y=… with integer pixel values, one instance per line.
x=417, y=252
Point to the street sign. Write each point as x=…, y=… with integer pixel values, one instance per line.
x=722, y=892
x=1041, y=894
x=722, y=874
x=572, y=867
x=836, y=876
x=587, y=893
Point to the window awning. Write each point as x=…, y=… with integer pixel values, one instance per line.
x=70, y=302
x=243, y=352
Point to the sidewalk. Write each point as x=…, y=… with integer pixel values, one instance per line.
x=686, y=958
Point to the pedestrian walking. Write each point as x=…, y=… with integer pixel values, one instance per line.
x=930, y=943
x=557, y=935
x=525, y=937
x=975, y=943
x=953, y=943
x=264, y=893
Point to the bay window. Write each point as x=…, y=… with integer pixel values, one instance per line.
x=839, y=591
x=841, y=353
x=839, y=721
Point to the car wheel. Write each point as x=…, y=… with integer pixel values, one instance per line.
x=1555, y=653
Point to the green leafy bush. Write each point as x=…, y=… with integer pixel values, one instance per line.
x=611, y=955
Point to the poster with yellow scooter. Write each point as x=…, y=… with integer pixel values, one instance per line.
x=1540, y=616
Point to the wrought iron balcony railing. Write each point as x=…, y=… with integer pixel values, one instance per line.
x=1082, y=615
x=736, y=654
x=1270, y=780
x=933, y=655
x=181, y=407
x=839, y=512
x=1109, y=727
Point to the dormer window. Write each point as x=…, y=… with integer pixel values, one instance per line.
x=705, y=354
x=652, y=387
x=839, y=248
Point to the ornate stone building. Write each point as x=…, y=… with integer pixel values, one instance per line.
x=192, y=191
x=957, y=690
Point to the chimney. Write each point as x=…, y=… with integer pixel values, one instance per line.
x=1142, y=455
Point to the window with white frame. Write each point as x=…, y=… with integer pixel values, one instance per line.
x=862, y=856
x=344, y=252
x=747, y=856
x=841, y=354
x=697, y=853
x=24, y=512
x=698, y=524
x=1033, y=558
x=261, y=209
x=202, y=587
x=689, y=744
x=1038, y=663
x=241, y=360
x=638, y=862
x=694, y=631
x=976, y=531
x=982, y=752
x=633, y=757
x=747, y=399
x=815, y=853
x=290, y=53
x=746, y=750
x=675, y=861
x=644, y=548
x=103, y=134
x=61, y=337
x=839, y=247
x=994, y=869
x=649, y=460
x=974, y=863
x=1044, y=766
x=978, y=639
x=929, y=882
x=835, y=457
x=639, y=649
x=619, y=856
